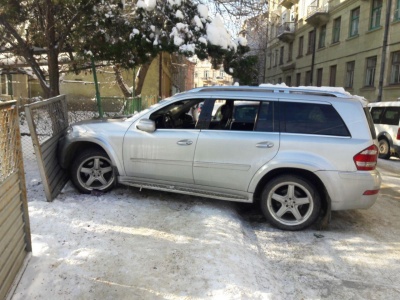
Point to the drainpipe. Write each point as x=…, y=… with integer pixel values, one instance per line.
x=313, y=56
x=384, y=50
x=160, y=76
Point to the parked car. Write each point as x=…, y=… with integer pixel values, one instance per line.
x=386, y=117
x=298, y=152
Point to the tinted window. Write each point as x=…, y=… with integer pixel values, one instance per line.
x=391, y=116
x=376, y=113
x=234, y=115
x=313, y=119
x=265, y=121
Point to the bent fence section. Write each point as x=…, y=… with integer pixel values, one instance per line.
x=15, y=236
x=47, y=122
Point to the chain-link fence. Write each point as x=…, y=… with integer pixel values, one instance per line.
x=79, y=110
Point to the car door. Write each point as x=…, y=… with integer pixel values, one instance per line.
x=165, y=154
x=228, y=158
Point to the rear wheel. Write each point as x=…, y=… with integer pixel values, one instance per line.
x=384, y=148
x=92, y=170
x=290, y=202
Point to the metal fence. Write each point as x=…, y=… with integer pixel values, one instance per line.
x=15, y=238
x=47, y=121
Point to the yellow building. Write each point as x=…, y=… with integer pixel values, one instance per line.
x=353, y=44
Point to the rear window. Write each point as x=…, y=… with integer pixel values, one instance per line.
x=310, y=118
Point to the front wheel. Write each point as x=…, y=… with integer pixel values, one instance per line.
x=92, y=170
x=290, y=202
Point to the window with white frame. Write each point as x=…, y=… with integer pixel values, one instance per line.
x=370, y=71
x=395, y=68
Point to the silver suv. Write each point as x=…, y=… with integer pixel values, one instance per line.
x=298, y=152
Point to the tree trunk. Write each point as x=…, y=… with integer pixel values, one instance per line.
x=52, y=52
x=120, y=81
x=141, y=77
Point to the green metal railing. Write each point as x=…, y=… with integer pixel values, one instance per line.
x=127, y=106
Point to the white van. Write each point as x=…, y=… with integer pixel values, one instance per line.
x=386, y=117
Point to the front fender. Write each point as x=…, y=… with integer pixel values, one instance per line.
x=70, y=144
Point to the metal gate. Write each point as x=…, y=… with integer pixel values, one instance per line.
x=15, y=237
x=47, y=121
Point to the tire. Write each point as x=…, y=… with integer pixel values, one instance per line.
x=290, y=203
x=384, y=149
x=93, y=170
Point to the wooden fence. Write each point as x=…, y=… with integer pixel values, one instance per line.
x=15, y=237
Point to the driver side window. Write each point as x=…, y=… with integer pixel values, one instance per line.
x=178, y=115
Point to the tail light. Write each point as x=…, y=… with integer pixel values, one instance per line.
x=398, y=134
x=366, y=160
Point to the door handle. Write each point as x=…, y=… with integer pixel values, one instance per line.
x=265, y=145
x=184, y=142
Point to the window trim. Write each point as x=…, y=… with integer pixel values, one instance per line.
x=349, y=78
x=336, y=30
x=376, y=14
x=395, y=68
x=322, y=37
x=368, y=79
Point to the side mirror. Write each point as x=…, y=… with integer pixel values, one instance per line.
x=146, y=125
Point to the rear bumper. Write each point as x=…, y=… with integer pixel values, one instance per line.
x=346, y=189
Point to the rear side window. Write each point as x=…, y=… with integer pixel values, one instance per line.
x=391, y=116
x=310, y=118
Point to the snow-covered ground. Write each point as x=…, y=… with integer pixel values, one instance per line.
x=128, y=244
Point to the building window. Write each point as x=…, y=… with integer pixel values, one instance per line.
x=396, y=16
x=376, y=14
x=221, y=73
x=322, y=35
x=307, y=80
x=276, y=58
x=349, y=74
x=354, y=20
x=370, y=72
x=301, y=42
x=332, y=75
x=196, y=74
x=288, y=80
x=206, y=74
x=290, y=52
x=3, y=84
x=279, y=80
x=336, y=30
x=298, y=78
x=310, y=42
x=395, y=68
x=319, y=77
x=281, y=55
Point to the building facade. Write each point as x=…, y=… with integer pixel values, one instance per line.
x=353, y=44
x=205, y=75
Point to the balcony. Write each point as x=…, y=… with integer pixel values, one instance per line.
x=286, y=32
x=318, y=13
x=288, y=3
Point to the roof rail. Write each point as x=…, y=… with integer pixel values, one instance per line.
x=315, y=91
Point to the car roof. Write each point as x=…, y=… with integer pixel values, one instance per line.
x=388, y=103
